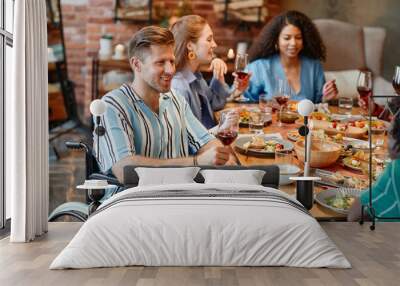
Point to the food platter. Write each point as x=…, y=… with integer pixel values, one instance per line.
x=244, y=117
x=357, y=144
x=264, y=147
x=336, y=179
x=338, y=200
x=354, y=164
x=293, y=135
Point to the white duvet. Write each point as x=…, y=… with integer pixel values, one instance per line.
x=207, y=230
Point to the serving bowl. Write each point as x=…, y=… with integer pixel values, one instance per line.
x=287, y=116
x=323, y=154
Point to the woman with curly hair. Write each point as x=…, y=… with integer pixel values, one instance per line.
x=289, y=48
x=386, y=189
x=194, y=47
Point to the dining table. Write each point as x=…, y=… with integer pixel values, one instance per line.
x=318, y=211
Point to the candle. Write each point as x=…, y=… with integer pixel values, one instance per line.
x=231, y=54
x=119, y=51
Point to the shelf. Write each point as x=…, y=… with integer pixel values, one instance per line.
x=111, y=64
x=57, y=110
x=53, y=65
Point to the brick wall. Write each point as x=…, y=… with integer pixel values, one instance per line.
x=85, y=21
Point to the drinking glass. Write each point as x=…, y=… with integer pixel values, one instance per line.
x=228, y=127
x=283, y=157
x=396, y=80
x=264, y=107
x=378, y=138
x=345, y=105
x=263, y=103
x=364, y=86
x=256, y=122
x=241, y=62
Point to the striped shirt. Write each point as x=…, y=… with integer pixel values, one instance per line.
x=132, y=128
x=385, y=192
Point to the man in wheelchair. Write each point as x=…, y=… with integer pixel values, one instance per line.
x=147, y=123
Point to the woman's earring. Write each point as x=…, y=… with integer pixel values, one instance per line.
x=276, y=47
x=191, y=55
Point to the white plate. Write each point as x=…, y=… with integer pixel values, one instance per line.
x=241, y=99
x=322, y=196
x=285, y=172
x=287, y=145
x=357, y=143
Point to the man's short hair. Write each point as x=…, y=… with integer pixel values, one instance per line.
x=146, y=37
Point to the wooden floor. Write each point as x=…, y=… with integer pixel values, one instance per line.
x=374, y=255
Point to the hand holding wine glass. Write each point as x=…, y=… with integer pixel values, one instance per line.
x=228, y=127
x=228, y=130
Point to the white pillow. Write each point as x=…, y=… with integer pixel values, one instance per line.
x=346, y=82
x=166, y=176
x=248, y=177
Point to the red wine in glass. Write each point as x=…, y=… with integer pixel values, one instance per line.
x=282, y=99
x=227, y=136
x=364, y=86
x=241, y=74
x=396, y=80
x=396, y=86
x=365, y=93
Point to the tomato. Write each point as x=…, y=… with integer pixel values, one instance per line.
x=334, y=124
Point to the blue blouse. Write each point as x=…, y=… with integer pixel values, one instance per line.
x=203, y=99
x=266, y=71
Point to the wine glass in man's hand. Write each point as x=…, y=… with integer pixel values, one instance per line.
x=228, y=127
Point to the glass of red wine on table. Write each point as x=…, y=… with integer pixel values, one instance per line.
x=241, y=62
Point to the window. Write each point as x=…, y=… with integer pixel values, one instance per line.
x=6, y=43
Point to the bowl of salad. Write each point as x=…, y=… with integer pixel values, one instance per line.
x=338, y=200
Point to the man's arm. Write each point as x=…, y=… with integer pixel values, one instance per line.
x=212, y=153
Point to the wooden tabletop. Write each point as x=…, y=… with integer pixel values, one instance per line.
x=319, y=212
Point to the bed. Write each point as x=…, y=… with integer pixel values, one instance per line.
x=201, y=224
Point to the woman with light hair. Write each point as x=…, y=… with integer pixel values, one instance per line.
x=194, y=47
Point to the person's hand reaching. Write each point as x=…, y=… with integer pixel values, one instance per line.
x=364, y=105
x=329, y=91
x=219, y=69
x=240, y=85
x=217, y=155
